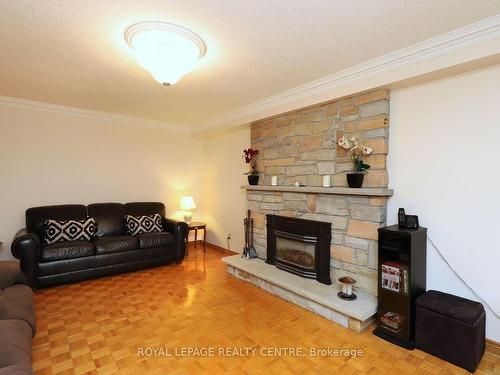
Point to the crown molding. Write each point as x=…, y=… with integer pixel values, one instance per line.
x=90, y=114
x=351, y=80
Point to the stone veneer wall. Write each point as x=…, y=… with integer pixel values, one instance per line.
x=299, y=146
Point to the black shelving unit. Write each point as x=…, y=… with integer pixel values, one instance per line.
x=401, y=255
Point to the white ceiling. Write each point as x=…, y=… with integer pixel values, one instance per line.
x=73, y=53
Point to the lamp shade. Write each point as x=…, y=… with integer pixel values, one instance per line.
x=187, y=203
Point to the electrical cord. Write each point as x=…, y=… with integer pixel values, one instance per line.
x=461, y=279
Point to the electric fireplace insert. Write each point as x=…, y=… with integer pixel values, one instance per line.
x=300, y=246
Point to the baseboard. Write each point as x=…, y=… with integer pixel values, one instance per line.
x=221, y=248
x=493, y=347
x=217, y=247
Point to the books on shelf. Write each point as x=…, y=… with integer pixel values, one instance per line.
x=392, y=321
x=394, y=277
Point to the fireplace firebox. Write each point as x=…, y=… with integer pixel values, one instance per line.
x=300, y=246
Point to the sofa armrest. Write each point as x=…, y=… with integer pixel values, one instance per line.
x=180, y=229
x=26, y=247
x=10, y=274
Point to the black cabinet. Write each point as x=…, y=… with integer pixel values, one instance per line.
x=401, y=279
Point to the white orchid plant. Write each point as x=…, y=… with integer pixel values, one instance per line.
x=357, y=152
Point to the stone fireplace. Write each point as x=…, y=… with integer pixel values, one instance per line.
x=300, y=146
x=299, y=246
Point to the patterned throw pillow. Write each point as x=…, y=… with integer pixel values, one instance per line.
x=143, y=224
x=69, y=230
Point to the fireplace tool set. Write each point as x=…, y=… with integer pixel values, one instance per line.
x=249, y=251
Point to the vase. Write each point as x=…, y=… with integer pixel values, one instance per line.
x=253, y=179
x=355, y=180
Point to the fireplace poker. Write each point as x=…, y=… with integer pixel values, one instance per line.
x=249, y=250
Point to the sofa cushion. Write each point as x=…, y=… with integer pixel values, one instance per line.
x=16, y=302
x=10, y=272
x=66, y=266
x=143, y=224
x=36, y=216
x=115, y=244
x=109, y=217
x=15, y=343
x=69, y=230
x=67, y=250
x=147, y=240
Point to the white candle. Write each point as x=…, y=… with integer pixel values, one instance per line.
x=326, y=181
x=274, y=181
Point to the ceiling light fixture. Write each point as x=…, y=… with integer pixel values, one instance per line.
x=166, y=50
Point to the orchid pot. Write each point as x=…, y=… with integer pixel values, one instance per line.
x=253, y=179
x=355, y=180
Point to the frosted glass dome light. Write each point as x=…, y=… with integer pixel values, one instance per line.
x=166, y=50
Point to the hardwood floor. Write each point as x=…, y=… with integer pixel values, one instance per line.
x=102, y=326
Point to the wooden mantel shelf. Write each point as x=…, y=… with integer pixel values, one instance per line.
x=371, y=192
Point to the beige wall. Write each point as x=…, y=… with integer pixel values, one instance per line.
x=443, y=156
x=224, y=201
x=51, y=158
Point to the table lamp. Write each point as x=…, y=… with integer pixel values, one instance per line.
x=187, y=204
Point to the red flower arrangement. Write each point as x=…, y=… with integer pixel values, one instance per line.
x=250, y=156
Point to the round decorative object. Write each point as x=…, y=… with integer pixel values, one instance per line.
x=355, y=180
x=253, y=179
x=346, y=293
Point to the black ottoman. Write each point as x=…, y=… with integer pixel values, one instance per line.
x=451, y=328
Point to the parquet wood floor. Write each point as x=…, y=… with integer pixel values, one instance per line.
x=98, y=326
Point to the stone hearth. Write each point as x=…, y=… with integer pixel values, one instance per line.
x=309, y=294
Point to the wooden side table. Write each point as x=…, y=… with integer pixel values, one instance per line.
x=196, y=225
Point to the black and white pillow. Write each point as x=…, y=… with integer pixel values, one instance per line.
x=143, y=224
x=69, y=230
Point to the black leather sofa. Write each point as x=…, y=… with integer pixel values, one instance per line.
x=110, y=252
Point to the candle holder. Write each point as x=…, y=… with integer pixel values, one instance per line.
x=326, y=181
x=346, y=293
